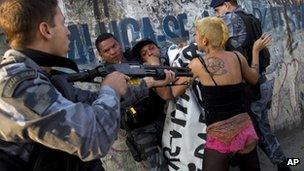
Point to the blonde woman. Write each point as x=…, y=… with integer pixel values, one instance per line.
x=229, y=128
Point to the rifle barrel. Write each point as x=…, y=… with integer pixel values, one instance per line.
x=132, y=70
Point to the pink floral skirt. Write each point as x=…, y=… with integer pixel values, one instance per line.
x=231, y=135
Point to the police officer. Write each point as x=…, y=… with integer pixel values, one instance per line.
x=148, y=53
x=40, y=129
x=144, y=120
x=151, y=115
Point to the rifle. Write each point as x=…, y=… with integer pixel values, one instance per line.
x=133, y=70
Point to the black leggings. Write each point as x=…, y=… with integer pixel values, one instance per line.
x=216, y=161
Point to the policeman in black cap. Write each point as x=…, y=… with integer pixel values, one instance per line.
x=144, y=45
x=216, y=3
x=145, y=126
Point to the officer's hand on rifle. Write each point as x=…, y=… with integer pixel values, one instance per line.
x=117, y=81
x=170, y=77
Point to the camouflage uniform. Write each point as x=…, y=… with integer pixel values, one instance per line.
x=267, y=142
x=32, y=110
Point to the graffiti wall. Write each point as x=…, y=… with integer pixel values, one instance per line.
x=167, y=22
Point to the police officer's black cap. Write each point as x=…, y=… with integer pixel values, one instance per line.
x=216, y=3
x=139, y=45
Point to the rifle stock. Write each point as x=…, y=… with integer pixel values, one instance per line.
x=130, y=69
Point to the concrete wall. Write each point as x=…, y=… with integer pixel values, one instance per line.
x=168, y=21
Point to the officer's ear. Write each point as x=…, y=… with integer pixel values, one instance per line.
x=45, y=30
x=99, y=53
x=205, y=41
x=99, y=49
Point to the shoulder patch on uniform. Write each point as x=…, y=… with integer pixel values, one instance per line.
x=12, y=83
x=41, y=98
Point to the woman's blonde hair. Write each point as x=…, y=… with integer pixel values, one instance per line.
x=214, y=29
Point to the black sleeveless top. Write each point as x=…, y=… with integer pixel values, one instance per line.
x=224, y=101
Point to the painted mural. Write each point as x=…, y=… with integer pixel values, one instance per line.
x=171, y=22
x=168, y=22
x=3, y=44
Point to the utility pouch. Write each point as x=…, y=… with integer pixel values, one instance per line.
x=132, y=147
